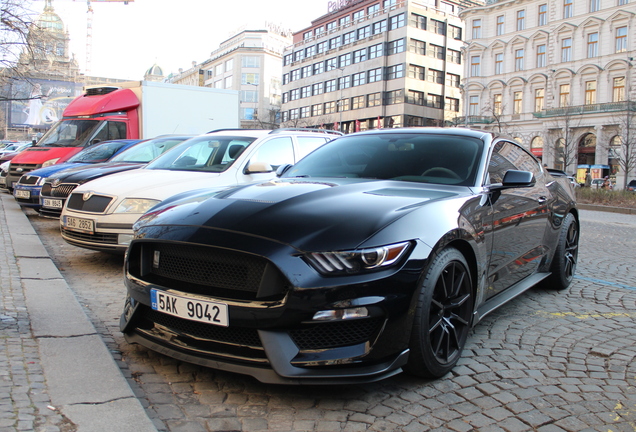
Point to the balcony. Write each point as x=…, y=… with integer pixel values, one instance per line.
x=587, y=109
x=472, y=120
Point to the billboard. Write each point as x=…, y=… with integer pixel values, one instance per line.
x=40, y=102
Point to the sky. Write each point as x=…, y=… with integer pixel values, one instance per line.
x=127, y=39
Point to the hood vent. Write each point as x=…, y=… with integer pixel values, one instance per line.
x=97, y=91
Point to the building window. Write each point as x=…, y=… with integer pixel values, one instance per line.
x=541, y=56
x=298, y=55
x=417, y=46
x=304, y=112
x=335, y=42
x=287, y=60
x=418, y=21
x=306, y=71
x=455, y=32
x=359, y=79
x=330, y=107
x=344, y=21
x=285, y=97
x=318, y=31
x=496, y=104
x=564, y=95
x=348, y=38
x=621, y=39
x=322, y=47
x=475, y=66
x=415, y=97
x=592, y=45
x=250, y=78
x=373, y=10
x=317, y=88
x=396, y=46
x=229, y=65
x=517, y=102
x=345, y=60
x=452, y=104
x=228, y=82
x=319, y=68
x=622, y=2
x=344, y=82
x=595, y=5
x=374, y=99
x=521, y=20
x=364, y=32
x=473, y=105
x=498, y=63
x=331, y=26
x=618, y=89
x=435, y=76
x=519, y=60
x=331, y=64
x=344, y=105
x=433, y=100
x=566, y=50
x=416, y=72
x=357, y=102
x=248, y=96
x=316, y=110
x=476, y=28
x=379, y=27
x=439, y=27
x=375, y=51
x=295, y=75
x=250, y=61
x=538, y=99
x=500, y=25
x=452, y=80
x=310, y=51
x=285, y=116
x=567, y=8
x=358, y=15
x=394, y=97
x=436, y=51
x=590, y=92
x=395, y=71
x=454, y=56
x=293, y=114
x=360, y=55
x=543, y=14
x=396, y=21
x=331, y=86
x=294, y=94
x=305, y=92
x=375, y=75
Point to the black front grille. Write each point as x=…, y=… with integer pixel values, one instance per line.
x=104, y=238
x=95, y=204
x=336, y=334
x=18, y=170
x=28, y=180
x=61, y=191
x=207, y=270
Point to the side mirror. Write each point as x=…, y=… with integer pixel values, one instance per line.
x=518, y=179
x=258, y=168
x=283, y=169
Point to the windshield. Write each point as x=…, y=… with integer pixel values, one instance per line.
x=148, y=150
x=98, y=153
x=78, y=133
x=208, y=153
x=424, y=158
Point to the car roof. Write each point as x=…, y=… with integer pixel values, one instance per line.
x=430, y=130
x=258, y=133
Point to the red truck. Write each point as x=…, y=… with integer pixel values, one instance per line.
x=130, y=110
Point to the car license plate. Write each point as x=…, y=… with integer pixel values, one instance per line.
x=77, y=224
x=190, y=308
x=18, y=193
x=53, y=203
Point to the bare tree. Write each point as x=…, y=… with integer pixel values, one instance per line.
x=623, y=149
x=15, y=45
x=566, y=149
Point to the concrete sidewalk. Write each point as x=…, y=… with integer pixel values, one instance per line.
x=56, y=373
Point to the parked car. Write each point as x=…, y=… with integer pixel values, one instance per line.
x=597, y=183
x=631, y=186
x=57, y=187
x=4, y=170
x=100, y=214
x=27, y=190
x=374, y=254
x=15, y=148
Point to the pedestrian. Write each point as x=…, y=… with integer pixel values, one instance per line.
x=588, y=180
x=607, y=184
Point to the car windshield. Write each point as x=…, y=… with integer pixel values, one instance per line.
x=148, y=150
x=98, y=153
x=424, y=158
x=213, y=153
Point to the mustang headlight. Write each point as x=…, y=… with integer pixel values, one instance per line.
x=355, y=261
x=136, y=205
x=50, y=162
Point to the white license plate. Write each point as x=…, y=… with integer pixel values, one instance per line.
x=78, y=224
x=190, y=308
x=52, y=203
x=19, y=193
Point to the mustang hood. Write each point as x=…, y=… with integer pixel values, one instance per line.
x=300, y=212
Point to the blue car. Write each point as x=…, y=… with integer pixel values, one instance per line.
x=27, y=189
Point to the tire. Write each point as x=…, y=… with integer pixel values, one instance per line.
x=565, y=255
x=442, y=316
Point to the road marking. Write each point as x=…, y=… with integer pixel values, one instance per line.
x=604, y=282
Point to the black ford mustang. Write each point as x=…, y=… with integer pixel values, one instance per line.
x=374, y=254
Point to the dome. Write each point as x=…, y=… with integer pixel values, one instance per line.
x=155, y=70
x=49, y=20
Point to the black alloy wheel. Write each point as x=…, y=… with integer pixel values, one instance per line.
x=442, y=316
x=565, y=255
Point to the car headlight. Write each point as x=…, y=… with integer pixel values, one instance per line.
x=50, y=162
x=136, y=205
x=333, y=263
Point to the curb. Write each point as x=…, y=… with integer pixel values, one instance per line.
x=83, y=381
x=606, y=208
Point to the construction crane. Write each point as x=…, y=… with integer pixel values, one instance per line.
x=89, y=31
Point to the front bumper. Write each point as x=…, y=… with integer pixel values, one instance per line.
x=110, y=233
x=27, y=196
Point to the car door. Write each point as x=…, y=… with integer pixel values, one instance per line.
x=519, y=218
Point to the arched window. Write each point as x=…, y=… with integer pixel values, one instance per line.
x=536, y=147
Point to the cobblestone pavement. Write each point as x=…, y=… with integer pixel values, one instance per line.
x=544, y=362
